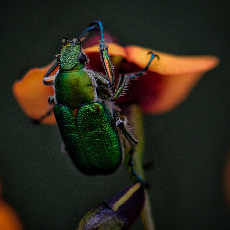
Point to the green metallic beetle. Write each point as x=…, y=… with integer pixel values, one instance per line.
x=84, y=106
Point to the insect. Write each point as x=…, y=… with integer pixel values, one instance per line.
x=87, y=117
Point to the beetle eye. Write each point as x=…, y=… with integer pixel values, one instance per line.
x=82, y=58
x=64, y=41
x=75, y=40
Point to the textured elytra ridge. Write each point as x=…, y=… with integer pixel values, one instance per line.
x=91, y=138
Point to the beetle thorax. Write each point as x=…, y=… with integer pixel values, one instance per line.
x=74, y=88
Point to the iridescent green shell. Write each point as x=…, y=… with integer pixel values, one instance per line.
x=90, y=138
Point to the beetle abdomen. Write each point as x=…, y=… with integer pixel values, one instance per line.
x=91, y=138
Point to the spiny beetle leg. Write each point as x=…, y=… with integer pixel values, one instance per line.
x=133, y=141
x=124, y=78
x=107, y=64
x=49, y=80
x=120, y=124
x=121, y=85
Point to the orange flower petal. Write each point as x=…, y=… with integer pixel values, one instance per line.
x=176, y=76
x=8, y=218
x=32, y=95
x=169, y=64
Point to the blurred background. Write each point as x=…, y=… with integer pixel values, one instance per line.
x=187, y=146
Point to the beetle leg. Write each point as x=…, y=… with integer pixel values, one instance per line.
x=86, y=32
x=120, y=124
x=100, y=79
x=103, y=89
x=134, y=172
x=49, y=79
x=120, y=87
x=48, y=113
x=124, y=79
x=51, y=99
x=104, y=93
x=105, y=58
x=133, y=141
x=133, y=76
x=107, y=62
x=39, y=120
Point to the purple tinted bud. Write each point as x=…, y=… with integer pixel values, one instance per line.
x=129, y=202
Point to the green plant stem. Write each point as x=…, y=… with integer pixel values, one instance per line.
x=136, y=121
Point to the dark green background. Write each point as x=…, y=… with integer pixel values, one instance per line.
x=186, y=146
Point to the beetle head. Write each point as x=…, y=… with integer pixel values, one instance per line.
x=72, y=56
